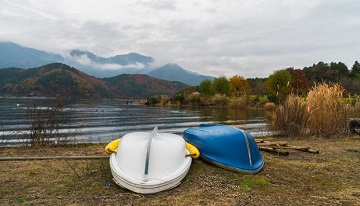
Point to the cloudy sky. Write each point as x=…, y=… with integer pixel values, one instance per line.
x=250, y=38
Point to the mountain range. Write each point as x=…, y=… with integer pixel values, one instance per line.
x=17, y=56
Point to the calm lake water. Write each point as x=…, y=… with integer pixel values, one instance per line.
x=102, y=121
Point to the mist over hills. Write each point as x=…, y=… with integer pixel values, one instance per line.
x=132, y=63
x=14, y=55
x=127, y=59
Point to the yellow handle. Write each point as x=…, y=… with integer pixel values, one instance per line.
x=112, y=146
x=194, y=152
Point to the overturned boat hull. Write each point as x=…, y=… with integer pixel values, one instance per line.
x=226, y=146
x=150, y=185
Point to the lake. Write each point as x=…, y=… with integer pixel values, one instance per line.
x=102, y=121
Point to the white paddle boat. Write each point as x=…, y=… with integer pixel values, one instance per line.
x=150, y=162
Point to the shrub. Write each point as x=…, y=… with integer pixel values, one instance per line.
x=45, y=124
x=193, y=98
x=163, y=100
x=269, y=106
x=291, y=117
x=205, y=100
x=273, y=98
x=238, y=103
x=153, y=100
x=178, y=99
x=219, y=100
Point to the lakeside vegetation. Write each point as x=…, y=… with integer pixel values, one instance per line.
x=237, y=91
x=296, y=106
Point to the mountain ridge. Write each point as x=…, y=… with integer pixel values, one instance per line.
x=174, y=72
x=14, y=55
x=124, y=59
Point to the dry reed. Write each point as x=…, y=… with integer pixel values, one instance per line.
x=327, y=110
x=269, y=106
x=193, y=98
x=219, y=100
x=239, y=103
x=325, y=113
x=357, y=107
x=290, y=118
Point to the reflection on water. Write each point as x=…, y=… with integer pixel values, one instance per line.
x=102, y=121
x=226, y=114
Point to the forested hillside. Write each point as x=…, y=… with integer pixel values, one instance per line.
x=140, y=85
x=61, y=80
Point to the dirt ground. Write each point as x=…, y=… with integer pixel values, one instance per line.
x=331, y=177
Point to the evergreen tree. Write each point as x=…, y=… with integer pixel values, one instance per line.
x=355, y=70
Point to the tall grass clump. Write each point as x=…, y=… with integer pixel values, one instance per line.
x=356, y=107
x=324, y=113
x=219, y=100
x=328, y=112
x=238, y=103
x=193, y=98
x=291, y=117
x=269, y=106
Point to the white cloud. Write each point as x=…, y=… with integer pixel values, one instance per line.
x=85, y=61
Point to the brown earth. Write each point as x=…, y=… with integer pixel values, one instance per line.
x=331, y=177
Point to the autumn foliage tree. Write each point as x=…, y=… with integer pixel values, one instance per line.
x=238, y=86
x=299, y=83
x=258, y=86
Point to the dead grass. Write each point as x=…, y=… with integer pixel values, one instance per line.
x=328, y=178
x=327, y=110
x=324, y=113
x=239, y=103
x=291, y=117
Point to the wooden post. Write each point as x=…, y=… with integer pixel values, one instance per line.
x=274, y=150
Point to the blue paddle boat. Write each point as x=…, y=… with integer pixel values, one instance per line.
x=226, y=146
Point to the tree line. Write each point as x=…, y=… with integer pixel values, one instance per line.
x=286, y=81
